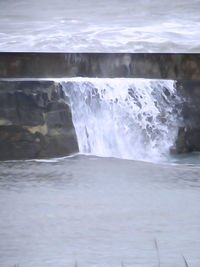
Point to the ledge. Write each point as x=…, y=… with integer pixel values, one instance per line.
x=102, y=65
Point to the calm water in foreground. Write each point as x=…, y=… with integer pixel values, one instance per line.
x=99, y=212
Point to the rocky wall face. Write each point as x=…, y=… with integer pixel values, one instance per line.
x=35, y=121
x=188, y=139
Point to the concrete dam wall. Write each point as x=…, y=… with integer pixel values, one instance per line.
x=101, y=65
x=35, y=115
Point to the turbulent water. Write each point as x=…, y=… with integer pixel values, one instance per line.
x=124, y=118
x=108, y=26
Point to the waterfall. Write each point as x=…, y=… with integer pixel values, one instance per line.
x=124, y=118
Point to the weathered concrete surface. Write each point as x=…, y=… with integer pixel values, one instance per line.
x=35, y=121
x=142, y=65
x=188, y=139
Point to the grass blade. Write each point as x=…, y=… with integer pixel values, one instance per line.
x=186, y=264
x=157, y=251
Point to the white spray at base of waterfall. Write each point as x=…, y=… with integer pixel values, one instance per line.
x=124, y=118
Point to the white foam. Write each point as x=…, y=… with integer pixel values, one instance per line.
x=107, y=26
x=124, y=118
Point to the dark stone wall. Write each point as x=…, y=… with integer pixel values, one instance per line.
x=188, y=139
x=35, y=121
x=134, y=65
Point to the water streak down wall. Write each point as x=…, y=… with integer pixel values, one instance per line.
x=132, y=65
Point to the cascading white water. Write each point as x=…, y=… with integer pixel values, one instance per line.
x=124, y=118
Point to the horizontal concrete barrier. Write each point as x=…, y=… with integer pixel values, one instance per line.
x=142, y=65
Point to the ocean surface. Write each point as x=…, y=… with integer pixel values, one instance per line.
x=100, y=26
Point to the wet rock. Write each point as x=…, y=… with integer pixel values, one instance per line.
x=35, y=121
x=188, y=138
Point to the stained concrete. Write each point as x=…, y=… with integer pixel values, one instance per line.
x=133, y=65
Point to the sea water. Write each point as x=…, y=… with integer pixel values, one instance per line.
x=100, y=26
x=96, y=211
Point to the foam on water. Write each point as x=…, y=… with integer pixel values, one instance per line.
x=107, y=26
x=124, y=118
